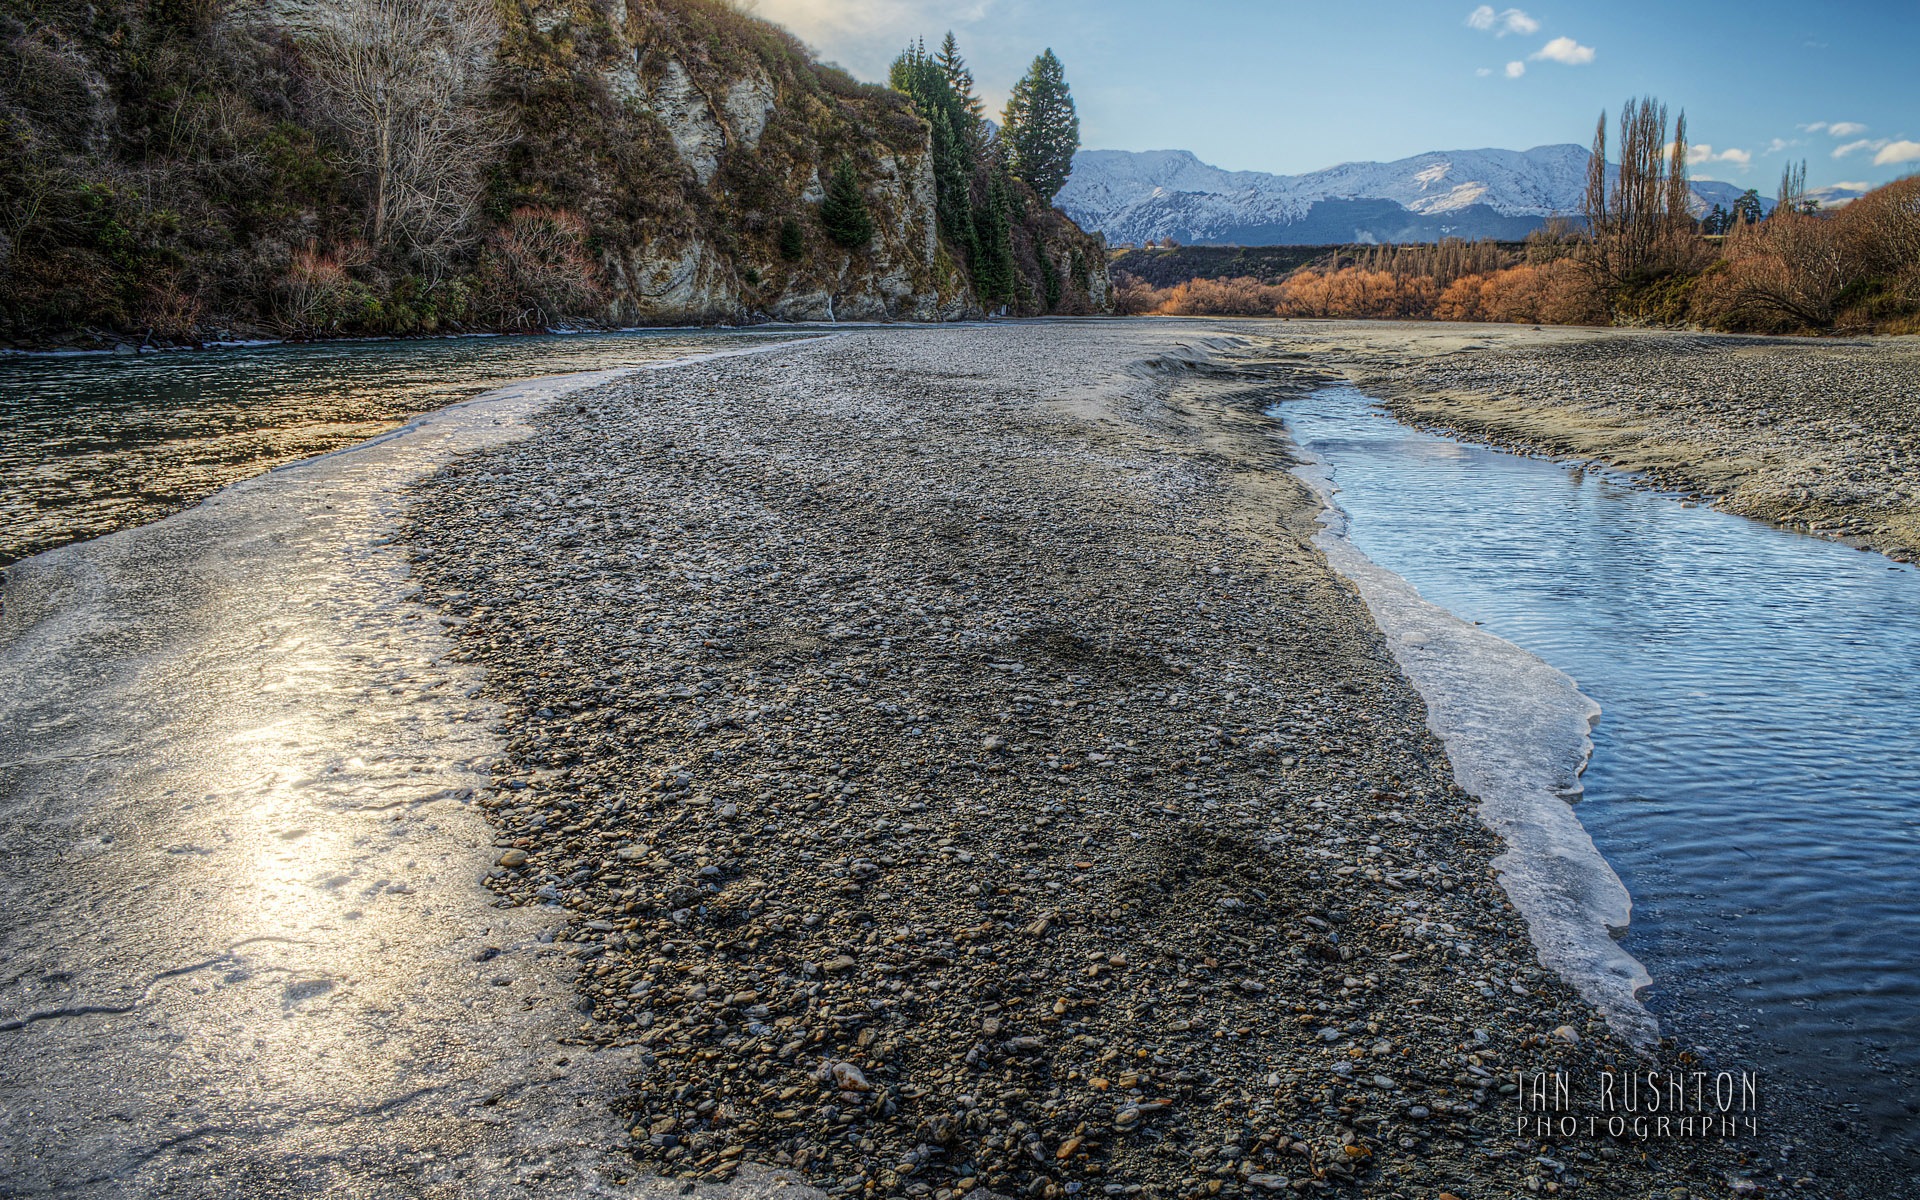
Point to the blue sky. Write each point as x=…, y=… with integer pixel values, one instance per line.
x=1290, y=86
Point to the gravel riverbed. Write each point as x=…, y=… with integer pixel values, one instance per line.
x=963, y=775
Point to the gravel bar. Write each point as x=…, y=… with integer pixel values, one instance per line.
x=964, y=776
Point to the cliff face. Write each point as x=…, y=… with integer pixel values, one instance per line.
x=174, y=169
x=716, y=130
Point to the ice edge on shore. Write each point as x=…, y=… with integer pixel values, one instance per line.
x=1517, y=731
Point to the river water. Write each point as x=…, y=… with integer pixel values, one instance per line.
x=94, y=443
x=1757, y=742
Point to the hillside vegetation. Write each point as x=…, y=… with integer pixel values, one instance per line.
x=179, y=169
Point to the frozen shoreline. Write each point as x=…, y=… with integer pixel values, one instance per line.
x=987, y=465
x=247, y=951
x=1517, y=732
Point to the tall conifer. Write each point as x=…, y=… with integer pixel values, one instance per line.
x=1041, y=128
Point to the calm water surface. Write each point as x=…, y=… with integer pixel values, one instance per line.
x=1754, y=768
x=91, y=444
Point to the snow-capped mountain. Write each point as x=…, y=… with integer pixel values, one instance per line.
x=1837, y=195
x=1136, y=196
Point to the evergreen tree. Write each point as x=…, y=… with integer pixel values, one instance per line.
x=844, y=212
x=993, y=273
x=1746, y=210
x=793, y=242
x=960, y=82
x=1040, y=127
x=921, y=77
x=1718, y=221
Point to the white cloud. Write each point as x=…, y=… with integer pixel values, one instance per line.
x=1515, y=21
x=1700, y=153
x=1814, y=127
x=1500, y=24
x=864, y=35
x=1564, y=50
x=1516, y=69
x=1862, y=144
x=1897, y=152
x=1779, y=144
x=1853, y=185
x=1842, y=129
x=1483, y=72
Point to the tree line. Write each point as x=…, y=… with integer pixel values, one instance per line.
x=1638, y=255
x=975, y=167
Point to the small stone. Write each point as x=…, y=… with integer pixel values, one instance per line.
x=1269, y=1183
x=850, y=1078
x=512, y=859
x=1567, y=1034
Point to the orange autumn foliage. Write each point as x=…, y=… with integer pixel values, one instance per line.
x=1555, y=293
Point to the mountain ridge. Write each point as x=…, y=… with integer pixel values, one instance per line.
x=1136, y=196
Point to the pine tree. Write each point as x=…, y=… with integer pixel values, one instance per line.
x=793, y=242
x=960, y=81
x=844, y=212
x=922, y=78
x=1041, y=129
x=993, y=274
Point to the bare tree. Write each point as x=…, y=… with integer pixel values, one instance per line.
x=1791, y=267
x=1679, y=189
x=1639, y=200
x=1793, y=188
x=1598, y=211
x=1644, y=224
x=404, y=82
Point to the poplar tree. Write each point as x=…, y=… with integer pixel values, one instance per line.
x=1644, y=226
x=1793, y=189
x=1041, y=128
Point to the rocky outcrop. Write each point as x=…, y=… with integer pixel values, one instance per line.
x=735, y=127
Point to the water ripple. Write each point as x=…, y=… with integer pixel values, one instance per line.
x=1752, y=775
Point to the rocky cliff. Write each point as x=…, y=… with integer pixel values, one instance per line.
x=181, y=168
x=694, y=135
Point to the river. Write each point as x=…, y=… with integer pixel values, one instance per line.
x=94, y=443
x=1758, y=733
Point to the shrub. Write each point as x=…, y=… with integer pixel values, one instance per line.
x=536, y=272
